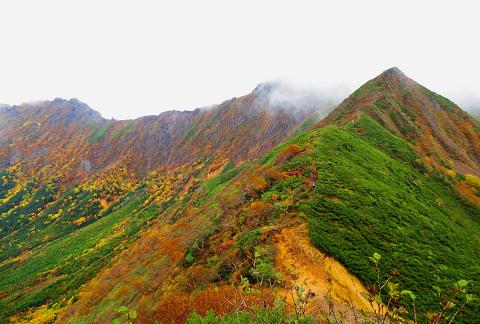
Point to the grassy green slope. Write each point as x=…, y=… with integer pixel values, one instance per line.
x=373, y=194
x=370, y=196
x=54, y=270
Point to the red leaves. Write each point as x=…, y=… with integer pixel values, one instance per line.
x=176, y=308
x=224, y=246
x=286, y=154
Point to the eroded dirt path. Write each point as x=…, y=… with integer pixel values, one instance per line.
x=305, y=266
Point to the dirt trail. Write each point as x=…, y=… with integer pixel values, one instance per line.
x=299, y=261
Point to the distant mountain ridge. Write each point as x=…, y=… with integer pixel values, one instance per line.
x=237, y=129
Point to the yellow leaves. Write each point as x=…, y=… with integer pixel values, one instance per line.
x=80, y=221
x=12, y=192
x=55, y=216
x=114, y=182
x=162, y=186
x=451, y=173
x=258, y=182
x=26, y=124
x=473, y=180
x=43, y=314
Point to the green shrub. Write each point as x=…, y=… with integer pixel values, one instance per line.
x=263, y=269
x=249, y=241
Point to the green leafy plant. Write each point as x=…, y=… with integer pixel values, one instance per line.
x=262, y=270
x=127, y=316
x=389, y=303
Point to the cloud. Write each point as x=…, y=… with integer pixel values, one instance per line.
x=470, y=103
x=282, y=94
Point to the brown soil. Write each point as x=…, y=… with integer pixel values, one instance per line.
x=305, y=266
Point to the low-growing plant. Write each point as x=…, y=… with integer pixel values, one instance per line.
x=127, y=316
x=263, y=270
x=391, y=304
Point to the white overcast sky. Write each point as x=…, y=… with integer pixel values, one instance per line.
x=132, y=58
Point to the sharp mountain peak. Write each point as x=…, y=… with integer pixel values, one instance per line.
x=393, y=71
x=431, y=122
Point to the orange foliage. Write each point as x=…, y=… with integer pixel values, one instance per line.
x=261, y=211
x=104, y=203
x=138, y=284
x=258, y=183
x=255, y=184
x=225, y=246
x=176, y=308
x=465, y=190
x=275, y=174
x=288, y=153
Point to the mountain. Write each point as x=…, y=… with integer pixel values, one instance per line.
x=441, y=132
x=64, y=167
x=238, y=129
x=192, y=211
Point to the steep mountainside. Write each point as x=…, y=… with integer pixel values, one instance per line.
x=442, y=133
x=64, y=168
x=192, y=211
x=70, y=137
x=370, y=196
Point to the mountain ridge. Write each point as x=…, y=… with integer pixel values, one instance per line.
x=156, y=213
x=172, y=130
x=442, y=132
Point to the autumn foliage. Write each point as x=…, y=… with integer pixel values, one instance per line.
x=286, y=154
x=175, y=308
